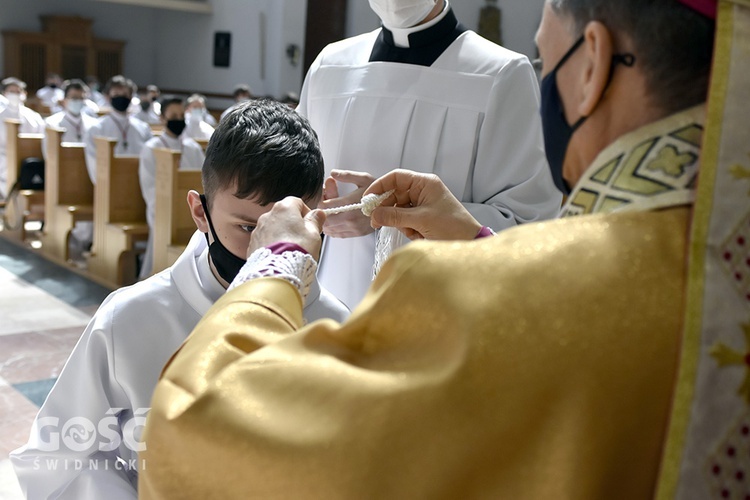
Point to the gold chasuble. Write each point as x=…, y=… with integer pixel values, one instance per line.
x=538, y=363
x=547, y=362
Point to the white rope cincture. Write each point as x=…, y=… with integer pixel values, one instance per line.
x=368, y=204
x=389, y=238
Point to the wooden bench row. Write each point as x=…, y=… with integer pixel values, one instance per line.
x=115, y=205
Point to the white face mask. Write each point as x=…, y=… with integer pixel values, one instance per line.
x=14, y=99
x=75, y=106
x=195, y=115
x=402, y=13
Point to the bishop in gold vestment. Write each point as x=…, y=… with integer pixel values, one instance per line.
x=544, y=362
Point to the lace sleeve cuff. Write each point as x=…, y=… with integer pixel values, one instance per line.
x=296, y=267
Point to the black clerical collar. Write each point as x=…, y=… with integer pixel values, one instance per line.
x=425, y=46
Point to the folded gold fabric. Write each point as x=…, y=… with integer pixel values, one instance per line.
x=535, y=364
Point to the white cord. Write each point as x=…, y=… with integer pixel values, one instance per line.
x=368, y=204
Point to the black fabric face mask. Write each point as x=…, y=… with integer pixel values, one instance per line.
x=226, y=263
x=176, y=126
x=557, y=131
x=120, y=103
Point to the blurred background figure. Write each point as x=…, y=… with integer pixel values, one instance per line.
x=146, y=112
x=94, y=90
x=51, y=94
x=241, y=93
x=14, y=91
x=197, y=118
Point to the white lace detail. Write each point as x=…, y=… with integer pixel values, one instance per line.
x=298, y=268
x=389, y=240
x=368, y=204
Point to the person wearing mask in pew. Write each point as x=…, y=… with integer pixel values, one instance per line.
x=14, y=91
x=131, y=133
x=197, y=117
x=174, y=138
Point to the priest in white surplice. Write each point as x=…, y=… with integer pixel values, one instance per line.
x=425, y=93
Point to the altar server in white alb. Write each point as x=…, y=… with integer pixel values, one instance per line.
x=173, y=118
x=72, y=118
x=51, y=94
x=131, y=133
x=261, y=153
x=147, y=108
x=14, y=91
x=425, y=93
x=197, y=118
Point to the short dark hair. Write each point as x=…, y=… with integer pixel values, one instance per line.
x=266, y=151
x=168, y=100
x=196, y=98
x=11, y=80
x=242, y=88
x=672, y=43
x=74, y=84
x=121, y=81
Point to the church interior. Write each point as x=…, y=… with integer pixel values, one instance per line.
x=49, y=289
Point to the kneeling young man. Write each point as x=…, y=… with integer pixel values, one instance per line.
x=261, y=152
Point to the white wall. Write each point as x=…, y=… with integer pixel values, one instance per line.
x=136, y=25
x=520, y=20
x=181, y=33
x=286, y=27
x=185, y=48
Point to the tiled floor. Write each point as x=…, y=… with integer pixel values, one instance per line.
x=43, y=311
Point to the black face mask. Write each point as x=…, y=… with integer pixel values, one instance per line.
x=176, y=126
x=52, y=85
x=226, y=263
x=120, y=103
x=557, y=131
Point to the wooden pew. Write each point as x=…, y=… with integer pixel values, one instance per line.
x=119, y=216
x=31, y=203
x=35, y=104
x=68, y=193
x=171, y=213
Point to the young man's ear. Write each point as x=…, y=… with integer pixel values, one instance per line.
x=599, y=49
x=196, y=211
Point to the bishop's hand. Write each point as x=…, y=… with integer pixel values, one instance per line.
x=289, y=221
x=421, y=207
x=349, y=224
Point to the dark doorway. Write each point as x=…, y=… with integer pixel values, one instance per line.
x=326, y=23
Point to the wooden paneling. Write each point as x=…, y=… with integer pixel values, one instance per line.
x=326, y=23
x=65, y=46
